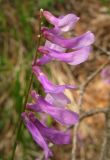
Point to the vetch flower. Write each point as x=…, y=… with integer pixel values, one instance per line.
x=72, y=58
x=60, y=114
x=78, y=42
x=45, y=58
x=51, y=134
x=65, y=23
x=48, y=86
x=55, y=91
x=37, y=136
x=58, y=99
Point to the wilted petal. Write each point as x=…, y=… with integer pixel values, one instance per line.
x=72, y=58
x=60, y=114
x=38, y=138
x=105, y=74
x=48, y=86
x=51, y=134
x=65, y=23
x=76, y=43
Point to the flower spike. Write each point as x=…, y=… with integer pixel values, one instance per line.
x=72, y=51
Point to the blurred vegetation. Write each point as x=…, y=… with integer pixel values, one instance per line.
x=105, y=1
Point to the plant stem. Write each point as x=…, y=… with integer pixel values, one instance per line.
x=28, y=91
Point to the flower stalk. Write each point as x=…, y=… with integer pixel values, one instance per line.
x=19, y=126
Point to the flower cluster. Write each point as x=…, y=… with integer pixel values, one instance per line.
x=55, y=101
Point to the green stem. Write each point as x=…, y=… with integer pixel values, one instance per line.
x=27, y=93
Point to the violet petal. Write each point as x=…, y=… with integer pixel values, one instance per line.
x=54, y=46
x=51, y=134
x=65, y=23
x=59, y=99
x=72, y=58
x=44, y=60
x=64, y=116
x=48, y=86
x=38, y=138
x=76, y=43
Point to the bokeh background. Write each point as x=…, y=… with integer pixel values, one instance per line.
x=18, y=32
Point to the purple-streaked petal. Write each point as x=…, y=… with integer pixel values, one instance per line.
x=48, y=86
x=75, y=43
x=60, y=114
x=51, y=134
x=105, y=74
x=72, y=58
x=38, y=138
x=65, y=23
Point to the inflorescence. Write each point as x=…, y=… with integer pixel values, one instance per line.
x=55, y=101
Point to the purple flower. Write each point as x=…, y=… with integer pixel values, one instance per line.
x=105, y=74
x=60, y=114
x=50, y=134
x=37, y=136
x=46, y=59
x=75, y=43
x=58, y=99
x=48, y=86
x=72, y=58
x=55, y=91
x=64, y=23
